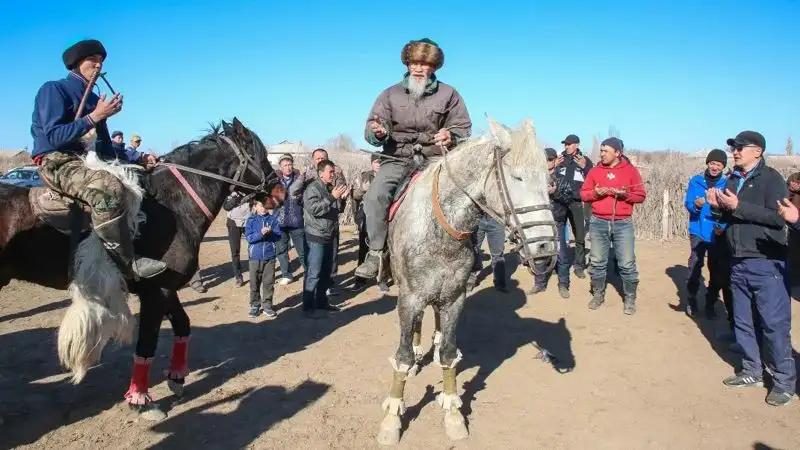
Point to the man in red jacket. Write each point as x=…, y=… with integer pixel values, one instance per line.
x=612, y=188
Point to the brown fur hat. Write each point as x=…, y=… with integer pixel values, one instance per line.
x=423, y=50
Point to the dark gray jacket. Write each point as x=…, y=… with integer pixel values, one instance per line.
x=755, y=230
x=320, y=210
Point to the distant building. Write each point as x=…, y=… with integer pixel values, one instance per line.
x=294, y=148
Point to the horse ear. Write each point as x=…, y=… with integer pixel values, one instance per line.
x=528, y=127
x=226, y=128
x=238, y=127
x=500, y=132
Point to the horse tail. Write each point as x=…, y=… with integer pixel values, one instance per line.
x=99, y=311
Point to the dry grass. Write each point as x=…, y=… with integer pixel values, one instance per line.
x=10, y=160
x=661, y=171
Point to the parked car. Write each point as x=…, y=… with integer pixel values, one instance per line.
x=22, y=176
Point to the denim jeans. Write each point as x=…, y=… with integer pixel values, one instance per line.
x=317, y=280
x=495, y=234
x=562, y=263
x=762, y=282
x=297, y=236
x=621, y=234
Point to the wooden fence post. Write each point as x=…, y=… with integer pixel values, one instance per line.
x=665, y=216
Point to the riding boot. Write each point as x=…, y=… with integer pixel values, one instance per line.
x=598, y=293
x=369, y=268
x=629, y=303
x=118, y=241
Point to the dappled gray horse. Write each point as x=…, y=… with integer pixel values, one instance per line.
x=503, y=176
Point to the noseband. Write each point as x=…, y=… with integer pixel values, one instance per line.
x=246, y=163
x=509, y=217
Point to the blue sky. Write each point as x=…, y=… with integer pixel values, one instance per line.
x=682, y=74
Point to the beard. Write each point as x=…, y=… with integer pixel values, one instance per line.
x=416, y=87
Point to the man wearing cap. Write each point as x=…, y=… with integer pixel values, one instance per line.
x=118, y=144
x=132, y=151
x=613, y=187
x=558, y=192
x=706, y=237
x=60, y=140
x=290, y=216
x=572, y=167
x=360, y=188
x=756, y=234
x=419, y=115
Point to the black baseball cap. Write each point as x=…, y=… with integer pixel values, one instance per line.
x=116, y=133
x=748, y=138
x=571, y=139
x=551, y=153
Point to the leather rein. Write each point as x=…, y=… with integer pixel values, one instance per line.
x=246, y=161
x=508, y=218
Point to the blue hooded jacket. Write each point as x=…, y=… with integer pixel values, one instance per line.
x=262, y=247
x=701, y=221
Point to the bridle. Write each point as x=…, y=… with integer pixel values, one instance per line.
x=246, y=163
x=509, y=217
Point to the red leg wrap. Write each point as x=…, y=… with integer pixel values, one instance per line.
x=179, y=365
x=137, y=392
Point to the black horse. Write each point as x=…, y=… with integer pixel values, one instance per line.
x=182, y=196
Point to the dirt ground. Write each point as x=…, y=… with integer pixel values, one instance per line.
x=652, y=380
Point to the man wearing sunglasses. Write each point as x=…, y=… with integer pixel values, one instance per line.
x=756, y=235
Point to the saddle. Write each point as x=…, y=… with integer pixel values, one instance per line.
x=417, y=165
x=54, y=209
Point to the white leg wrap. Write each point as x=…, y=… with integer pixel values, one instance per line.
x=398, y=367
x=394, y=406
x=448, y=402
x=437, y=338
x=438, y=362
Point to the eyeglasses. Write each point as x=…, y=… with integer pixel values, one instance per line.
x=739, y=148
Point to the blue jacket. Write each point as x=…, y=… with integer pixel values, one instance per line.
x=132, y=154
x=53, y=125
x=291, y=213
x=262, y=247
x=701, y=221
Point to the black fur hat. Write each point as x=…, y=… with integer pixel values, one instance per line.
x=82, y=50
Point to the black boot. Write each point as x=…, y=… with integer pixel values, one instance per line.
x=118, y=241
x=369, y=268
x=629, y=303
x=598, y=293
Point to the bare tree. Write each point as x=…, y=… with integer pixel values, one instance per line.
x=789, y=146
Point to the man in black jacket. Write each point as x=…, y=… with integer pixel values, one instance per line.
x=756, y=235
x=571, y=168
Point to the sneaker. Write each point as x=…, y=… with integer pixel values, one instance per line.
x=536, y=289
x=239, y=282
x=332, y=292
x=254, y=311
x=580, y=272
x=283, y=281
x=329, y=308
x=563, y=291
x=270, y=313
x=691, y=306
x=777, y=397
x=743, y=380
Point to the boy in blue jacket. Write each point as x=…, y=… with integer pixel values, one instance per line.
x=706, y=237
x=262, y=232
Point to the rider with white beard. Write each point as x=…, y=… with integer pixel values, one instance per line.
x=420, y=114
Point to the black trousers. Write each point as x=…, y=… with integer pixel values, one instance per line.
x=235, y=241
x=577, y=215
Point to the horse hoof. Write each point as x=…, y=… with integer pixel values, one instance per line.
x=454, y=425
x=176, y=387
x=150, y=412
x=389, y=433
